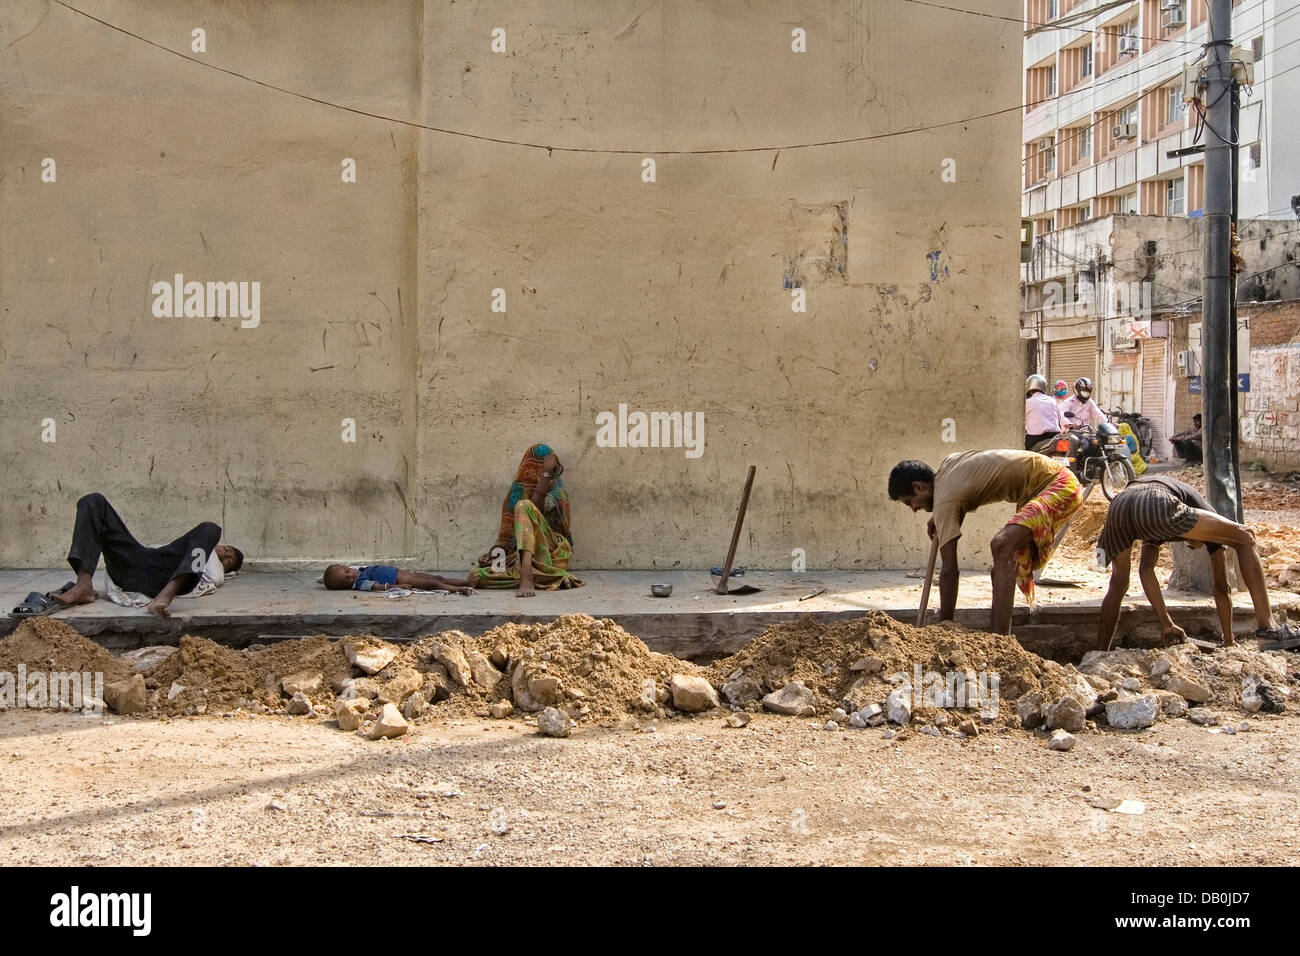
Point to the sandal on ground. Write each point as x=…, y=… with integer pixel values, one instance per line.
x=36, y=604
x=1283, y=638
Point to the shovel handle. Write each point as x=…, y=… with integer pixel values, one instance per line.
x=925, y=588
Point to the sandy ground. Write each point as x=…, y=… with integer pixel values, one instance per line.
x=292, y=791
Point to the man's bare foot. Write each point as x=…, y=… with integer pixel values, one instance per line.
x=78, y=594
x=467, y=591
x=525, y=590
x=159, y=610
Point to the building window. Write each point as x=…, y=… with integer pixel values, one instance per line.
x=1085, y=212
x=1175, y=99
x=1049, y=160
x=1257, y=49
x=1085, y=142
x=1085, y=63
x=1129, y=114
x=1128, y=203
x=1052, y=9
x=1174, y=202
x=1051, y=81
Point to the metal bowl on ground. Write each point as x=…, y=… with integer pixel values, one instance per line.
x=661, y=590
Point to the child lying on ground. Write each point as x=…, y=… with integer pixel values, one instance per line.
x=381, y=577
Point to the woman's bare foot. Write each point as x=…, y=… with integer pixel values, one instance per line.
x=78, y=594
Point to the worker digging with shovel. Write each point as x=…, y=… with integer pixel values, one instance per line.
x=1046, y=497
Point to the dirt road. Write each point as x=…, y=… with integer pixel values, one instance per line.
x=279, y=790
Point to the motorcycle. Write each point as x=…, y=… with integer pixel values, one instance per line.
x=1093, y=455
x=1141, y=426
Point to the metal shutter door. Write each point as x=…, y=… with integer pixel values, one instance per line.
x=1072, y=359
x=1155, y=380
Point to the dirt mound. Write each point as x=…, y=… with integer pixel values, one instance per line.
x=206, y=676
x=601, y=669
x=45, y=644
x=855, y=663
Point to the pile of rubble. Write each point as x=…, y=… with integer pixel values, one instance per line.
x=869, y=672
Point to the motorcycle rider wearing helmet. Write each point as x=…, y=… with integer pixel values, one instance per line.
x=1042, y=415
x=1086, y=411
x=1060, y=390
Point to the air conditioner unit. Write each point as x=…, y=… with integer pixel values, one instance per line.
x=1173, y=18
x=1128, y=45
x=1045, y=143
x=1168, y=5
x=1187, y=362
x=1122, y=131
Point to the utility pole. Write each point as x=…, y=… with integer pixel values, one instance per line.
x=1220, y=343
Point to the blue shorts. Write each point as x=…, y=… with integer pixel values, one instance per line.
x=373, y=574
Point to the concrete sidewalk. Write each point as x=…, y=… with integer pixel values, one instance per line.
x=694, y=622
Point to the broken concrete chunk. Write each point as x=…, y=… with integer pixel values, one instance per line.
x=1029, y=708
x=396, y=683
x=646, y=698
x=146, y=658
x=175, y=690
x=868, y=665
x=300, y=706
x=370, y=658
x=481, y=669
x=898, y=706
x=454, y=659
x=1171, y=705
x=1204, y=718
x=501, y=709
x=968, y=728
x=1131, y=713
x=1188, y=689
x=500, y=658
x=737, y=720
x=692, y=694
x=126, y=696
x=553, y=723
x=303, y=682
x=741, y=690
x=349, y=713
x=794, y=700
x=1061, y=740
x=534, y=689
x=1066, y=714
x=414, y=706
x=389, y=724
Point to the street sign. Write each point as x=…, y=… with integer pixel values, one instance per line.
x=1243, y=381
x=1193, y=385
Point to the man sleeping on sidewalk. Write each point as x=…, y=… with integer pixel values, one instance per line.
x=194, y=562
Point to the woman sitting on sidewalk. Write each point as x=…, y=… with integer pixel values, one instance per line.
x=534, y=542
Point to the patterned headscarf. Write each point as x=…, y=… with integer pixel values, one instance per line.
x=555, y=508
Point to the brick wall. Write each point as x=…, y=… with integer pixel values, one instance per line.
x=1270, y=411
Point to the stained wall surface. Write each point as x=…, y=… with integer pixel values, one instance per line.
x=377, y=296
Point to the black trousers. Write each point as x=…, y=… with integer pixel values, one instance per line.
x=1032, y=440
x=100, y=530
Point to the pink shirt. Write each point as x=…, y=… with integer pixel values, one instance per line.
x=1088, y=413
x=1041, y=414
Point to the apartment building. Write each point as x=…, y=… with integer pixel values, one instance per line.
x=1103, y=90
x=1111, y=277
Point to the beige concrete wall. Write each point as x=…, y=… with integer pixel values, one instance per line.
x=376, y=296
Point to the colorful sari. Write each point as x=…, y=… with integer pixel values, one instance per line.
x=1044, y=515
x=545, y=532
